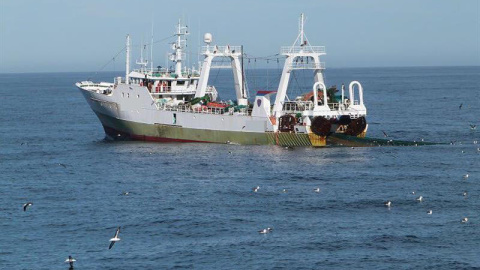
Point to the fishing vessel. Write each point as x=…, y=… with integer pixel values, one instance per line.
x=179, y=106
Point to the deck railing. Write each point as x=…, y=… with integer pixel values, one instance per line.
x=305, y=65
x=221, y=49
x=203, y=109
x=300, y=49
x=297, y=106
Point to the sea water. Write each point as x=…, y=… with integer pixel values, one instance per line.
x=192, y=205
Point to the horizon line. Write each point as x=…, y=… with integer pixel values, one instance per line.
x=346, y=67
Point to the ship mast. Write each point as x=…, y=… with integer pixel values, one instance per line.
x=127, y=61
x=178, y=46
x=143, y=62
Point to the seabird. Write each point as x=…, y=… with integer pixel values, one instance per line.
x=472, y=127
x=420, y=198
x=255, y=189
x=388, y=203
x=460, y=107
x=385, y=134
x=125, y=193
x=413, y=192
x=465, y=220
x=465, y=193
x=316, y=189
x=284, y=190
x=25, y=206
x=63, y=165
x=115, y=238
x=265, y=231
x=429, y=212
x=475, y=142
x=70, y=260
x=465, y=176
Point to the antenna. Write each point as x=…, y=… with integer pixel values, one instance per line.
x=143, y=63
x=301, y=28
x=151, y=49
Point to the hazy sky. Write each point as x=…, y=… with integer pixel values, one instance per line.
x=60, y=35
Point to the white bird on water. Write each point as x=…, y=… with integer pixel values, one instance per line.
x=465, y=220
x=265, y=231
x=255, y=189
x=465, y=176
x=388, y=204
x=465, y=193
x=114, y=239
x=420, y=198
x=429, y=212
x=316, y=190
x=70, y=260
x=25, y=206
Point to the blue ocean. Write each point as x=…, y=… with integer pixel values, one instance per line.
x=191, y=206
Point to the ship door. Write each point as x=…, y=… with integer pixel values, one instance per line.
x=287, y=123
x=174, y=118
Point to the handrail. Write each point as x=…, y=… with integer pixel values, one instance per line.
x=305, y=65
x=202, y=110
x=221, y=49
x=302, y=49
x=297, y=106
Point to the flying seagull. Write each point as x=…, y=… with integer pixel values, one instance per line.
x=429, y=212
x=255, y=189
x=420, y=198
x=465, y=176
x=388, y=204
x=460, y=107
x=472, y=127
x=114, y=239
x=384, y=133
x=465, y=220
x=70, y=260
x=25, y=206
x=63, y=165
x=316, y=189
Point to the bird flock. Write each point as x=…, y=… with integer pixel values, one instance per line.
x=389, y=204
x=420, y=198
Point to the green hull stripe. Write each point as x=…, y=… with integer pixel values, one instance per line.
x=203, y=135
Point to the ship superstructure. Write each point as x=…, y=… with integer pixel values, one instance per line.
x=179, y=105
